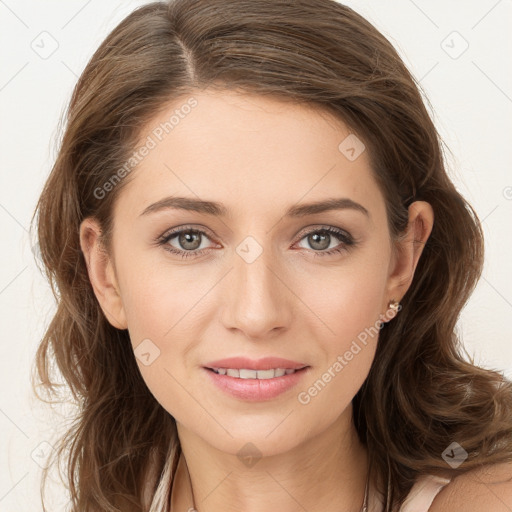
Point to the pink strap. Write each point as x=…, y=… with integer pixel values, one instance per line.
x=423, y=493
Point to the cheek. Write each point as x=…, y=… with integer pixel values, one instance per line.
x=159, y=305
x=349, y=307
x=164, y=310
x=158, y=298
x=348, y=298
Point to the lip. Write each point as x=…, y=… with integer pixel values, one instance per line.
x=256, y=390
x=265, y=363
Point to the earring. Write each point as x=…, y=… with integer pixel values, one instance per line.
x=393, y=308
x=394, y=305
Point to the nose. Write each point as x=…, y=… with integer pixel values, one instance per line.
x=259, y=300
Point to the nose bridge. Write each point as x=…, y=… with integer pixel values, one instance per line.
x=257, y=300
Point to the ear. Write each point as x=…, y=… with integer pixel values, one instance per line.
x=408, y=249
x=102, y=273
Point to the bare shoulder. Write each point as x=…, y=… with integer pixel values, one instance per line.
x=487, y=488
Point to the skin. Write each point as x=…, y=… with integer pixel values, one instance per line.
x=257, y=156
x=487, y=488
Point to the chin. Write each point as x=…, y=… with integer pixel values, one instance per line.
x=260, y=441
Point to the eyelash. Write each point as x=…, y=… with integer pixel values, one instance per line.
x=347, y=241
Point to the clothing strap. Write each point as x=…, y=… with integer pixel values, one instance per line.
x=423, y=492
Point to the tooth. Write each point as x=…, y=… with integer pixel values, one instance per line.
x=247, y=374
x=266, y=374
x=244, y=373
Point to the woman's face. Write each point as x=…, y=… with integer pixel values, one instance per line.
x=255, y=276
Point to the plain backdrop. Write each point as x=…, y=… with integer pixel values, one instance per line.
x=459, y=50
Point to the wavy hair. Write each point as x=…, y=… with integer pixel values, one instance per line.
x=422, y=393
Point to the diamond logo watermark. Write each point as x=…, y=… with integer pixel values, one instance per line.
x=351, y=147
x=454, y=45
x=249, y=455
x=147, y=352
x=249, y=249
x=454, y=455
x=45, y=45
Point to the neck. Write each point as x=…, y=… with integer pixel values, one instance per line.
x=325, y=473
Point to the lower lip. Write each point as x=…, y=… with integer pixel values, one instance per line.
x=256, y=389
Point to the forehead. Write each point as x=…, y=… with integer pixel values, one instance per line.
x=250, y=151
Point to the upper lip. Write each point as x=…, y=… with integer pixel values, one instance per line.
x=265, y=363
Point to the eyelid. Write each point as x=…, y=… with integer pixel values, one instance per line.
x=322, y=227
x=186, y=227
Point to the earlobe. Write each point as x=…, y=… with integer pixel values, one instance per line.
x=409, y=249
x=102, y=273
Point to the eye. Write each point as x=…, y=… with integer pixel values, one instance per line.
x=320, y=239
x=189, y=242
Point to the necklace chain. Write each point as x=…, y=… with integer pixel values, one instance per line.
x=364, y=508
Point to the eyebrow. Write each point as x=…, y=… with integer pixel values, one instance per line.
x=219, y=210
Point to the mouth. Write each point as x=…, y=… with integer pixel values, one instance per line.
x=247, y=373
x=252, y=385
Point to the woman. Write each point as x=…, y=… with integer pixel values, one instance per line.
x=259, y=261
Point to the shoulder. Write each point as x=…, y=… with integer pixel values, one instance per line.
x=486, y=488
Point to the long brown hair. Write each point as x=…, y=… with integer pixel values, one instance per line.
x=421, y=393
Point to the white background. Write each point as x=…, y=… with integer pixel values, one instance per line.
x=471, y=96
